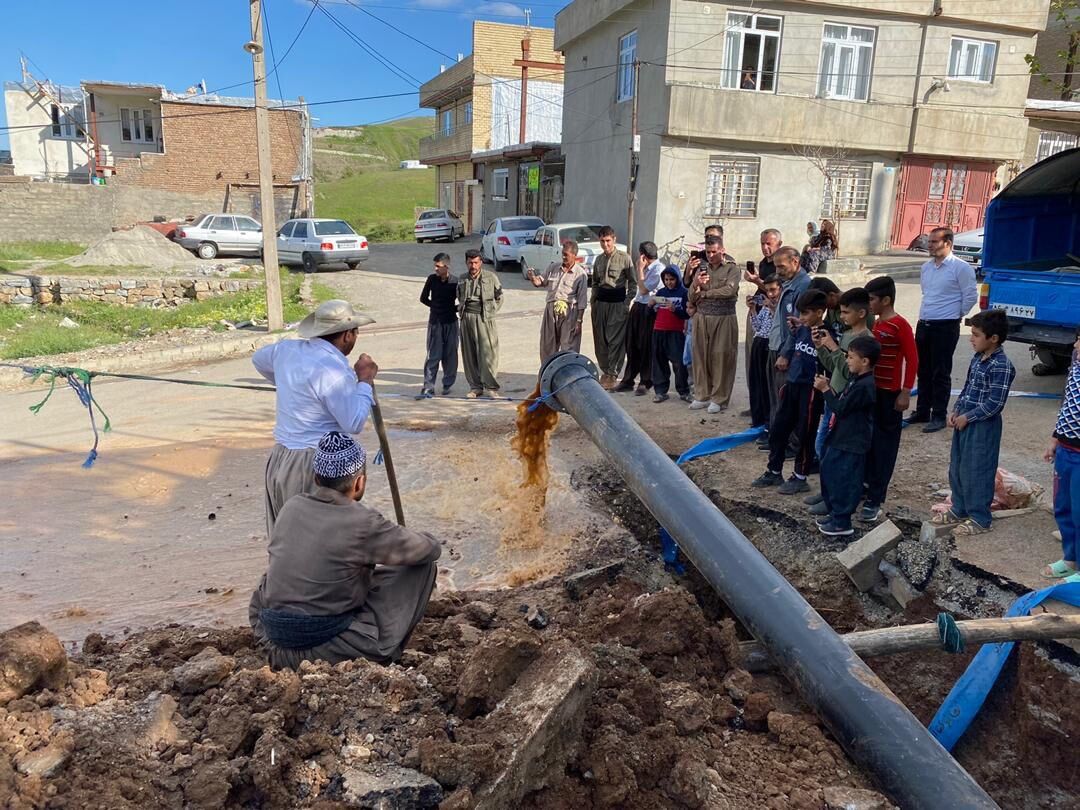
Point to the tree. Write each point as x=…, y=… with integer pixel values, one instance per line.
x=1058, y=68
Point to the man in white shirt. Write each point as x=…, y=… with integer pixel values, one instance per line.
x=949, y=292
x=317, y=392
x=639, y=326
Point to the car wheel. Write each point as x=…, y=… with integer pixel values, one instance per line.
x=499, y=265
x=309, y=263
x=452, y=236
x=207, y=250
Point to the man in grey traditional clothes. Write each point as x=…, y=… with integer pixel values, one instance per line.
x=614, y=283
x=317, y=391
x=567, y=297
x=480, y=296
x=342, y=582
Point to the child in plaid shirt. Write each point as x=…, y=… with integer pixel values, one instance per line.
x=976, y=423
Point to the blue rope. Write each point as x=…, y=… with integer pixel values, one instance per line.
x=81, y=382
x=378, y=460
x=952, y=640
x=543, y=400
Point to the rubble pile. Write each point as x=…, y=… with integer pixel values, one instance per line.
x=629, y=696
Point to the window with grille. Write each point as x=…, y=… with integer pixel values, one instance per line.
x=972, y=60
x=847, y=189
x=1050, y=143
x=847, y=55
x=731, y=189
x=751, y=52
x=627, y=55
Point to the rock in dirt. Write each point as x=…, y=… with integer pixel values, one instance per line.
x=47, y=761
x=738, y=684
x=492, y=669
x=133, y=727
x=695, y=784
x=849, y=798
x=393, y=788
x=581, y=583
x=208, y=668
x=537, y=618
x=480, y=614
x=30, y=658
x=756, y=711
x=67, y=323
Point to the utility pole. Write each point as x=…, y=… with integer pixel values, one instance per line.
x=635, y=151
x=275, y=318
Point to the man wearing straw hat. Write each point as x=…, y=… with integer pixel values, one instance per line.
x=317, y=392
x=342, y=582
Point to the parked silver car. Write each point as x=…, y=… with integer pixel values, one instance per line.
x=211, y=235
x=441, y=223
x=312, y=242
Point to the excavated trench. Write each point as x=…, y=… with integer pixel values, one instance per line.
x=1020, y=748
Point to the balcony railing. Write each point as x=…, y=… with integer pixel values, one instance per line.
x=442, y=144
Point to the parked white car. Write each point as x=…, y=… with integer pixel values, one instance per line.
x=313, y=242
x=504, y=237
x=968, y=246
x=546, y=246
x=441, y=223
x=212, y=235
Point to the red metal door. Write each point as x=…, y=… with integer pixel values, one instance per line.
x=940, y=193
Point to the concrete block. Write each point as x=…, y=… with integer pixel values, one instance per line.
x=930, y=532
x=861, y=558
x=541, y=717
x=899, y=588
x=833, y=267
x=392, y=786
x=583, y=582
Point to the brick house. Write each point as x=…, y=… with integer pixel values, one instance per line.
x=494, y=159
x=139, y=136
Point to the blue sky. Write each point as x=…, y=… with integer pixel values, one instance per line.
x=180, y=44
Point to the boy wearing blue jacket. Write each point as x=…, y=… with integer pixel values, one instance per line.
x=847, y=442
x=669, y=338
x=799, y=407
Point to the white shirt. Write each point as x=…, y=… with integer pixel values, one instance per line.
x=652, y=281
x=949, y=290
x=317, y=391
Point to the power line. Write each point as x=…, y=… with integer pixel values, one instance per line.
x=264, y=6
x=401, y=73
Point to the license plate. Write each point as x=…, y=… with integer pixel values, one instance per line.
x=519, y=240
x=1018, y=310
x=350, y=243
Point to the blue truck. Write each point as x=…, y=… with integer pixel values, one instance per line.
x=1031, y=259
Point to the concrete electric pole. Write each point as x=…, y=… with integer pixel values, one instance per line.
x=275, y=318
x=635, y=153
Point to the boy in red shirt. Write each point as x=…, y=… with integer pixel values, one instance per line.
x=894, y=376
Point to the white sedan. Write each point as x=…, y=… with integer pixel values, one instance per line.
x=212, y=235
x=546, y=246
x=313, y=242
x=504, y=237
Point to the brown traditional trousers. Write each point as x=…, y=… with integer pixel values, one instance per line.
x=715, y=347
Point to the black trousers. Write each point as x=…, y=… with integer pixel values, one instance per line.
x=667, y=353
x=842, y=474
x=639, y=332
x=936, y=342
x=797, y=413
x=757, y=377
x=881, y=460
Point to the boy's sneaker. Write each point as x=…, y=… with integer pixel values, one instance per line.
x=833, y=529
x=819, y=508
x=870, y=513
x=793, y=486
x=698, y=405
x=810, y=500
x=714, y=408
x=934, y=425
x=686, y=398
x=660, y=398
x=446, y=392
x=425, y=395
x=768, y=479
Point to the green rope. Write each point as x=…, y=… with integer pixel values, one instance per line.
x=81, y=382
x=952, y=640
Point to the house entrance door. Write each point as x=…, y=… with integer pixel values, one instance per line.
x=940, y=194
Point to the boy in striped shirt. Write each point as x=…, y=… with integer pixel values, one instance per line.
x=894, y=376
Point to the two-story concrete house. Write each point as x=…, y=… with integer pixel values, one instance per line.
x=892, y=117
x=496, y=157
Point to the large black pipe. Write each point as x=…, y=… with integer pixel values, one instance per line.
x=868, y=720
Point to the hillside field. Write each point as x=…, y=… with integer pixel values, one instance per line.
x=357, y=177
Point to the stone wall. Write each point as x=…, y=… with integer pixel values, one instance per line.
x=144, y=292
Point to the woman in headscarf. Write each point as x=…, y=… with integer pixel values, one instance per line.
x=824, y=245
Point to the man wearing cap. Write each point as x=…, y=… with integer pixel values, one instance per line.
x=317, y=392
x=480, y=296
x=342, y=581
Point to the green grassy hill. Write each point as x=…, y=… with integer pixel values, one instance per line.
x=357, y=177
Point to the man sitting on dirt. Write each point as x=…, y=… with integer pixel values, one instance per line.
x=343, y=582
x=317, y=391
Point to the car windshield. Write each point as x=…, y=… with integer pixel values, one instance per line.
x=581, y=233
x=332, y=228
x=522, y=224
x=432, y=215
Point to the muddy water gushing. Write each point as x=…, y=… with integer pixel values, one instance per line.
x=531, y=442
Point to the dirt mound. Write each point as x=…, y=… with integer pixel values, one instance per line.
x=181, y=717
x=137, y=247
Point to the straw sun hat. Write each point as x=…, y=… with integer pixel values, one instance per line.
x=330, y=318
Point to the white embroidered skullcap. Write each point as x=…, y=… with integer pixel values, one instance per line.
x=338, y=456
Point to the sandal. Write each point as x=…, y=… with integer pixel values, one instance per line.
x=969, y=528
x=947, y=518
x=1058, y=570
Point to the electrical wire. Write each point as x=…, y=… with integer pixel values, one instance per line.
x=401, y=73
